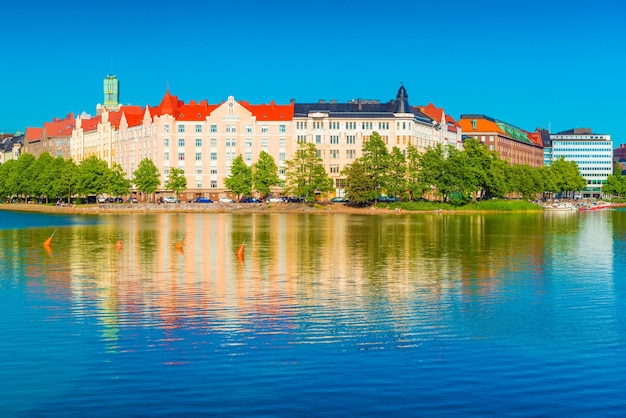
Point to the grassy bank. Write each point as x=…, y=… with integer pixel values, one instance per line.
x=484, y=206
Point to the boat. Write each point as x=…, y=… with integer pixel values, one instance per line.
x=560, y=207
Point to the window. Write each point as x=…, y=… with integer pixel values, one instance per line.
x=350, y=139
x=213, y=184
x=213, y=170
x=198, y=129
x=198, y=156
x=248, y=156
x=334, y=153
x=281, y=156
x=181, y=156
x=300, y=125
x=334, y=168
x=166, y=142
x=198, y=170
x=181, y=142
x=249, y=129
x=198, y=142
x=264, y=129
x=350, y=154
x=318, y=139
x=166, y=128
x=281, y=129
x=214, y=156
x=334, y=139
x=213, y=128
x=199, y=185
x=166, y=156
x=181, y=129
x=214, y=142
x=248, y=143
x=264, y=142
x=281, y=142
x=301, y=139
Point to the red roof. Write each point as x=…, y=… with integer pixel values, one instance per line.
x=270, y=112
x=33, y=134
x=59, y=127
x=432, y=112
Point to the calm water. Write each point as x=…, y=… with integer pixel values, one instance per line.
x=325, y=315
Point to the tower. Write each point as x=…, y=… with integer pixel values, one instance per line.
x=111, y=92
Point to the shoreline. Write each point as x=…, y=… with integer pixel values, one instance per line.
x=125, y=208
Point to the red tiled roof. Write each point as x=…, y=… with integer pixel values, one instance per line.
x=431, y=111
x=59, y=127
x=33, y=134
x=270, y=112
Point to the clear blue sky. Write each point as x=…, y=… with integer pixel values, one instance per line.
x=531, y=64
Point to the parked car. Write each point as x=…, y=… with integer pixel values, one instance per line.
x=226, y=200
x=275, y=199
x=132, y=200
x=388, y=199
x=204, y=200
x=249, y=200
x=339, y=200
x=169, y=199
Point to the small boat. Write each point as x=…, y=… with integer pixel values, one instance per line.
x=560, y=207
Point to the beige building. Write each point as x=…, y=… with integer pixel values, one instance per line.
x=339, y=130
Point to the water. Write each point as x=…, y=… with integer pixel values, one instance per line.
x=325, y=315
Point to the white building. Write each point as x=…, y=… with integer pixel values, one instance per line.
x=593, y=153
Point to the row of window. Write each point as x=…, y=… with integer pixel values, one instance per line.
x=230, y=128
x=352, y=125
x=230, y=142
x=213, y=156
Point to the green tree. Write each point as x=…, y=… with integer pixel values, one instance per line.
x=375, y=157
x=496, y=184
x=93, y=174
x=265, y=174
x=118, y=184
x=240, y=180
x=43, y=175
x=396, y=184
x=414, y=185
x=66, y=178
x=176, y=181
x=567, y=178
x=147, y=177
x=6, y=171
x=433, y=167
x=305, y=173
x=18, y=182
x=616, y=182
x=359, y=184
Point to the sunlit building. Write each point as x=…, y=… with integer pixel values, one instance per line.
x=593, y=153
x=512, y=143
x=339, y=130
x=53, y=138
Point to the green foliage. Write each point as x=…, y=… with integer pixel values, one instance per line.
x=118, y=184
x=176, y=180
x=147, y=177
x=376, y=161
x=92, y=176
x=360, y=186
x=240, y=180
x=395, y=183
x=305, y=173
x=566, y=176
x=414, y=185
x=265, y=174
x=615, y=183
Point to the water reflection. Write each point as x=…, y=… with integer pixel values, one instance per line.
x=294, y=263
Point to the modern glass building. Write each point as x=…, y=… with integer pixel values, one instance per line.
x=593, y=153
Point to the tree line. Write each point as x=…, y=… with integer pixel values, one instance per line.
x=441, y=173
x=50, y=179
x=448, y=174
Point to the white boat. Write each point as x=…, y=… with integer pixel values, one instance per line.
x=560, y=207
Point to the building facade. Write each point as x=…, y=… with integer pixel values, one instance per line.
x=339, y=130
x=593, y=153
x=512, y=144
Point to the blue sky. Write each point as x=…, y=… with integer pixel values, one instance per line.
x=532, y=64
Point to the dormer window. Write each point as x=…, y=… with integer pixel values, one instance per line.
x=474, y=124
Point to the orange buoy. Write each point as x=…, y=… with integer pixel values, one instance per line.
x=179, y=245
x=240, y=251
x=48, y=241
x=118, y=245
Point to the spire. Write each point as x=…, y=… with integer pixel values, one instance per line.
x=402, y=101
